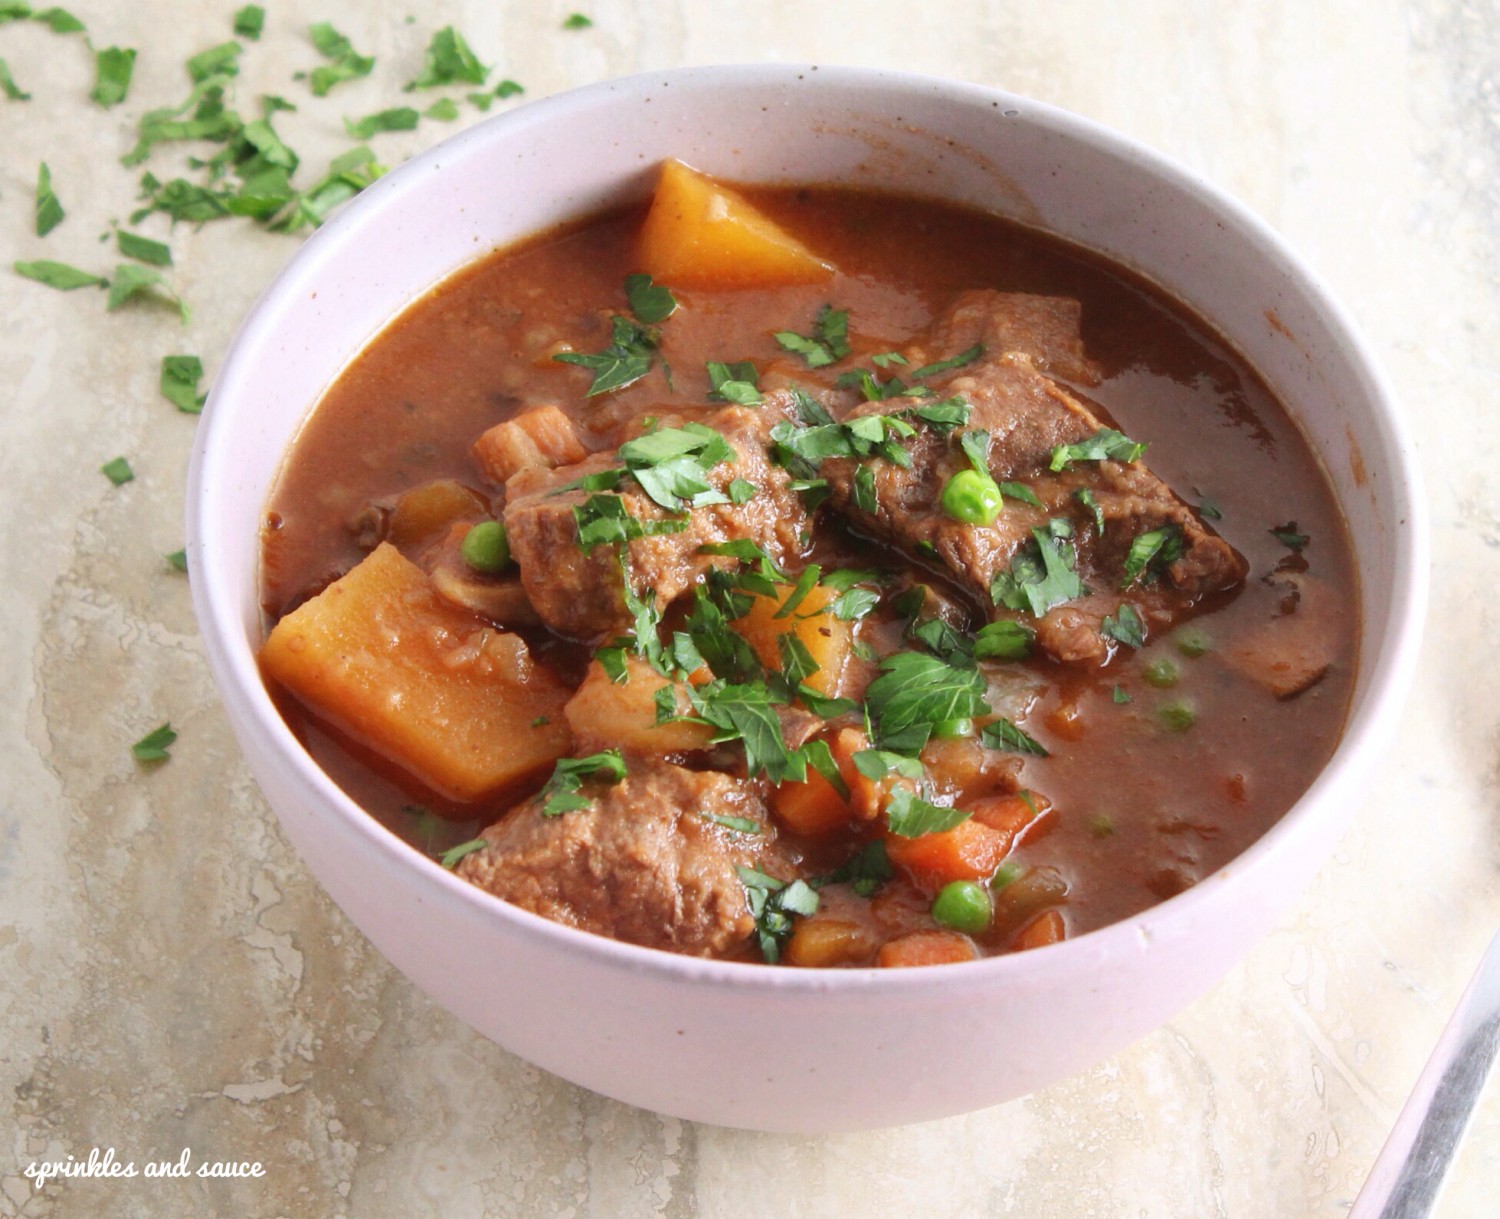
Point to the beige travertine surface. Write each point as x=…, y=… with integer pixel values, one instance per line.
x=173, y=980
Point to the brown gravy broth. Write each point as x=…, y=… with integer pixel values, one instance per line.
x=1140, y=811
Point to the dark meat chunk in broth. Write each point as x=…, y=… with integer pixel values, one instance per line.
x=645, y=862
x=580, y=593
x=1028, y=414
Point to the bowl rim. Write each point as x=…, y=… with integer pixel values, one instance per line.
x=1388, y=662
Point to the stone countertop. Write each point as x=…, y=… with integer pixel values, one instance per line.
x=174, y=980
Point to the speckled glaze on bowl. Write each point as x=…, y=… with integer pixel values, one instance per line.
x=737, y=1044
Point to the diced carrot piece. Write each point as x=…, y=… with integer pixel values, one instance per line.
x=811, y=808
x=820, y=942
x=1014, y=814
x=1047, y=928
x=971, y=850
x=424, y=683
x=622, y=715
x=828, y=640
x=699, y=234
x=540, y=438
x=1067, y=721
x=423, y=511
x=1030, y=893
x=927, y=948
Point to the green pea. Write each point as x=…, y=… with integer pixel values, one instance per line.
x=963, y=905
x=953, y=730
x=1177, y=716
x=486, y=548
x=972, y=497
x=1193, y=644
x=1161, y=673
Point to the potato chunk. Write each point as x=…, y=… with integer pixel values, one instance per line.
x=828, y=639
x=605, y=714
x=699, y=234
x=426, y=684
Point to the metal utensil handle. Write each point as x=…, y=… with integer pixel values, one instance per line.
x=1409, y=1171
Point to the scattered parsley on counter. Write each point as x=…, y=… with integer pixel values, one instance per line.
x=179, y=383
x=177, y=560
x=249, y=22
x=154, y=746
x=400, y=118
x=449, y=61
x=9, y=87
x=113, y=68
x=59, y=275
x=577, y=21
x=130, y=282
x=49, y=209
x=345, y=63
x=143, y=249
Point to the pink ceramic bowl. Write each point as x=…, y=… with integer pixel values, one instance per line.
x=744, y=1045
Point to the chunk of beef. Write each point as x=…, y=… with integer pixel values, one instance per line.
x=1028, y=414
x=644, y=862
x=581, y=593
x=1293, y=652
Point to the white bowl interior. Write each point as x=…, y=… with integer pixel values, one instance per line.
x=695, y=1038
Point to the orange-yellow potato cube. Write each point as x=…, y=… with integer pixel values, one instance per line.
x=422, y=511
x=828, y=639
x=699, y=234
x=622, y=715
x=426, y=684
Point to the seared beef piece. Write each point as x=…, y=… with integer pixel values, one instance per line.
x=580, y=594
x=1027, y=414
x=642, y=863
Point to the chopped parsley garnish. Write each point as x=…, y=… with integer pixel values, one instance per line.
x=1086, y=497
x=59, y=275
x=772, y=904
x=948, y=365
x=1120, y=695
x=802, y=449
x=1005, y=639
x=449, y=61
x=177, y=560
x=154, y=746
x=113, y=67
x=863, y=491
x=624, y=362
x=734, y=382
x=916, y=691
x=249, y=22
x=1208, y=509
x=222, y=60
x=445, y=110
x=650, y=302
x=59, y=20
x=672, y=465
x=828, y=343
x=400, y=118
x=450, y=858
x=1151, y=551
x=1125, y=626
x=133, y=245
x=577, y=21
x=864, y=871
x=1041, y=574
x=604, y=520
x=740, y=825
x=130, y=281
x=49, y=211
x=179, y=383
x=1021, y=492
x=561, y=793
x=942, y=416
x=1288, y=536
x=1104, y=445
x=117, y=470
x=345, y=63
x=741, y=491
x=9, y=87
x=1003, y=734
x=907, y=815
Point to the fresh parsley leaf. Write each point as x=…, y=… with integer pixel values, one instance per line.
x=345, y=63
x=400, y=118
x=1104, y=445
x=1005, y=639
x=450, y=858
x=508, y=88
x=577, y=21
x=976, y=447
x=853, y=603
x=130, y=281
x=907, y=815
x=249, y=22
x=133, y=245
x=449, y=61
x=743, y=711
x=348, y=174
x=561, y=795
x=1003, y=734
x=177, y=560
x=943, y=416
x=828, y=343
x=876, y=764
x=1019, y=491
x=179, y=383
x=59, y=275
x=113, y=68
x=1086, y=497
x=14, y=10
x=740, y=825
x=9, y=87
x=650, y=302
x=1125, y=626
x=1208, y=509
x=624, y=362
x=154, y=745
x=887, y=358
x=1288, y=536
x=49, y=211
x=1120, y=695
x=741, y=491
x=222, y=60
x=445, y=110
x=603, y=520
x=672, y=465
x=915, y=691
x=772, y=904
x=864, y=871
x=948, y=365
x=59, y=20
x=1040, y=576
x=117, y=470
x=1154, y=548
x=734, y=382
x=863, y=490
